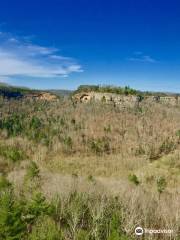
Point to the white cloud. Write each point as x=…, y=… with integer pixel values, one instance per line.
x=140, y=57
x=21, y=58
x=4, y=79
x=60, y=57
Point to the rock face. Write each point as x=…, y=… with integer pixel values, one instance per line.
x=129, y=100
x=41, y=96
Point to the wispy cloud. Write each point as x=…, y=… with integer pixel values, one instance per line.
x=141, y=57
x=4, y=79
x=26, y=59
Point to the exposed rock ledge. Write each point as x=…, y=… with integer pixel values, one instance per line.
x=118, y=99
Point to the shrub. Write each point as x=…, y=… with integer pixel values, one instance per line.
x=161, y=184
x=35, y=123
x=115, y=231
x=110, y=89
x=114, y=225
x=12, y=227
x=103, y=99
x=17, y=215
x=4, y=183
x=91, y=179
x=106, y=219
x=178, y=133
x=79, y=216
x=140, y=98
x=36, y=207
x=4, y=167
x=45, y=229
x=62, y=122
x=73, y=121
x=76, y=213
x=100, y=145
x=134, y=179
x=107, y=129
x=68, y=142
x=82, y=235
x=13, y=124
x=12, y=153
x=32, y=170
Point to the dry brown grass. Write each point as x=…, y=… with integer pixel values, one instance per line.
x=141, y=141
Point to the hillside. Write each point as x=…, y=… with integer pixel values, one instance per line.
x=13, y=92
x=9, y=91
x=89, y=166
x=61, y=92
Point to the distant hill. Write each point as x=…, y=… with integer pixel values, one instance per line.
x=3, y=84
x=9, y=91
x=61, y=92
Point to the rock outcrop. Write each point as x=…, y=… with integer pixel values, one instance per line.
x=41, y=96
x=128, y=100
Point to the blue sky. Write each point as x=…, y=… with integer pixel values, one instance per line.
x=65, y=43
